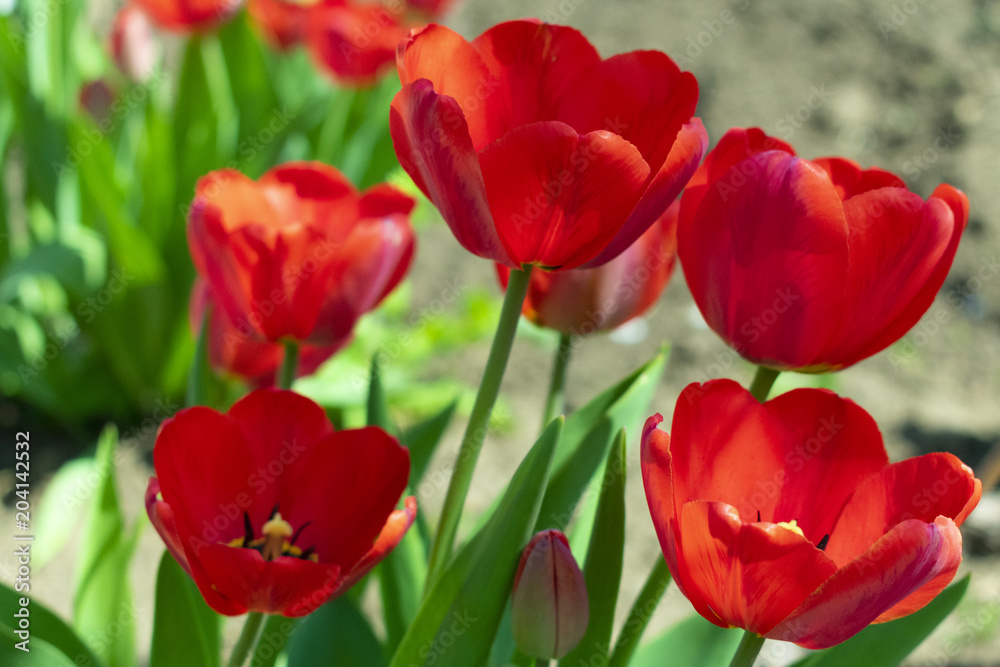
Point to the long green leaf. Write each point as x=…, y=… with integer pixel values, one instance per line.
x=422, y=440
x=458, y=619
x=39, y=652
x=185, y=629
x=887, y=644
x=335, y=634
x=603, y=567
x=378, y=411
x=46, y=627
x=693, y=641
x=59, y=510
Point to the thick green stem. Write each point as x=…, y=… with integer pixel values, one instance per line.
x=286, y=375
x=247, y=639
x=763, y=381
x=475, y=432
x=746, y=652
x=555, y=403
x=638, y=618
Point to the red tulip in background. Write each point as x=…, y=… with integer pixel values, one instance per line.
x=283, y=22
x=269, y=509
x=786, y=518
x=549, y=605
x=582, y=301
x=811, y=265
x=132, y=44
x=189, y=15
x=299, y=253
x=239, y=350
x=534, y=149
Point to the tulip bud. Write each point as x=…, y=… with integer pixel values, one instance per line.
x=550, y=607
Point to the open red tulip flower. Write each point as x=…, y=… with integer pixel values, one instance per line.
x=189, y=15
x=354, y=42
x=283, y=22
x=582, y=301
x=811, y=265
x=298, y=254
x=787, y=519
x=237, y=349
x=269, y=509
x=537, y=151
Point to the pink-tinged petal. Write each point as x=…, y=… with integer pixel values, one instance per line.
x=432, y=143
x=766, y=258
x=726, y=447
x=681, y=163
x=392, y=533
x=162, y=518
x=454, y=69
x=745, y=575
x=849, y=179
x=364, y=474
x=535, y=66
x=558, y=198
x=923, y=488
x=657, y=480
x=288, y=586
x=834, y=446
x=901, y=250
x=911, y=555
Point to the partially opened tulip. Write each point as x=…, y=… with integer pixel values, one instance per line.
x=189, y=15
x=787, y=519
x=549, y=605
x=535, y=150
x=811, y=265
x=298, y=254
x=269, y=509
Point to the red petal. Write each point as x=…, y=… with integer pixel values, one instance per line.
x=392, y=533
x=745, y=575
x=162, y=518
x=923, y=488
x=340, y=40
x=849, y=179
x=188, y=15
x=657, y=480
x=433, y=146
x=902, y=562
x=283, y=22
x=286, y=585
x=765, y=255
x=558, y=198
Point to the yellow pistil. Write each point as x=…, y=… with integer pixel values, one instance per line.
x=792, y=526
x=275, y=533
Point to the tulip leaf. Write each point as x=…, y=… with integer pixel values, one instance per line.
x=45, y=627
x=422, y=440
x=200, y=374
x=39, y=652
x=335, y=634
x=887, y=644
x=378, y=410
x=59, y=509
x=103, y=609
x=185, y=629
x=693, y=641
x=401, y=580
x=603, y=567
x=458, y=619
x=277, y=631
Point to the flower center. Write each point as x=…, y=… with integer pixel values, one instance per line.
x=792, y=526
x=278, y=539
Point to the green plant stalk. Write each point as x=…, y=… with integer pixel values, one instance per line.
x=555, y=402
x=763, y=381
x=638, y=617
x=286, y=375
x=748, y=649
x=475, y=432
x=247, y=640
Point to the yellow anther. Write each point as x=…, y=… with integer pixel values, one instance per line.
x=792, y=526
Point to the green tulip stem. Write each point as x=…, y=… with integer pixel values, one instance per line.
x=555, y=402
x=479, y=420
x=763, y=381
x=748, y=649
x=288, y=367
x=247, y=639
x=638, y=617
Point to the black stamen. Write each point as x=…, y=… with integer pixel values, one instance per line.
x=758, y=516
x=822, y=543
x=273, y=511
x=248, y=530
x=308, y=552
x=299, y=532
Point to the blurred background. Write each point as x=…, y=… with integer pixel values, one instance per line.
x=95, y=273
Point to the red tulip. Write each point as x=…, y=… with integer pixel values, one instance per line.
x=189, y=15
x=237, y=349
x=283, y=22
x=534, y=149
x=811, y=265
x=582, y=301
x=549, y=605
x=786, y=518
x=269, y=509
x=355, y=42
x=132, y=44
x=299, y=253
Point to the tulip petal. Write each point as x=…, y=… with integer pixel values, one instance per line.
x=392, y=533
x=162, y=518
x=849, y=179
x=188, y=15
x=432, y=143
x=923, y=487
x=772, y=233
x=902, y=562
x=339, y=41
x=557, y=197
x=289, y=586
x=657, y=480
x=745, y=575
